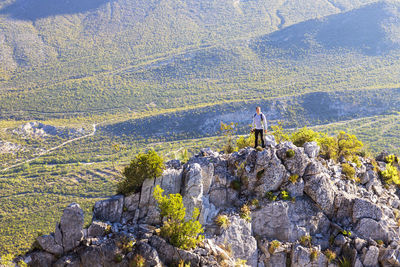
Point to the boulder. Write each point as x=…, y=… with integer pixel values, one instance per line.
x=320, y=189
x=241, y=241
x=48, y=243
x=369, y=228
x=311, y=149
x=389, y=257
x=296, y=164
x=149, y=253
x=269, y=140
x=370, y=258
x=71, y=226
x=269, y=173
x=109, y=209
x=365, y=209
x=301, y=257
x=41, y=259
x=98, y=228
x=68, y=261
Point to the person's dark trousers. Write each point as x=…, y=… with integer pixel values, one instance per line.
x=259, y=132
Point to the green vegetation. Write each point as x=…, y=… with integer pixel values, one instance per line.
x=273, y=246
x=144, y=166
x=314, y=254
x=228, y=131
x=391, y=174
x=293, y=178
x=138, y=261
x=270, y=196
x=236, y=185
x=241, y=263
x=290, y=153
x=330, y=255
x=344, y=262
x=179, y=232
x=285, y=195
x=305, y=240
x=303, y=135
x=348, y=171
x=222, y=221
x=279, y=133
x=346, y=233
x=243, y=142
x=245, y=213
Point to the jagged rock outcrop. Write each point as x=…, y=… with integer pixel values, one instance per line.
x=295, y=197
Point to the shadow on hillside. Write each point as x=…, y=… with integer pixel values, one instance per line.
x=37, y=9
x=369, y=29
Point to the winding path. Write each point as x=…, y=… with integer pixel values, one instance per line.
x=51, y=149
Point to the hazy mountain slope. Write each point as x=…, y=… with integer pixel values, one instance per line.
x=372, y=29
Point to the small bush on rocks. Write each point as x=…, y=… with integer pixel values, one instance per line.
x=179, y=232
x=222, y=221
x=290, y=153
x=313, y=255
x=137, y=261
x=273, y=246
x=305, y=240
x=303, y=135
x=143, y=166
x=348, y=171
x=245, y=213
x=330, y=255
x=293, y=178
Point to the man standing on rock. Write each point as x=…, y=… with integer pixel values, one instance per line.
x=259, y=124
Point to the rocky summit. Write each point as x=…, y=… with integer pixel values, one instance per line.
x=284, y=205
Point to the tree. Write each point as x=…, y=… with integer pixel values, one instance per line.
x=144, y=166
x=181, y=233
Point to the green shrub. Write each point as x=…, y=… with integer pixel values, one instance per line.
x=183, y=264
x=290, y=153
x=313, y=255
x=348, y=144
x=279, y=134
x=305, y=240
x=118, y=258
x=245, y=213
x=258, y=148
x=303, y=135
x=236, y=185
x=255, y=202
x=273, y=246
x=380, y=242
x=330, y=255
x=344, y=262
x=228, y=131
x=179, y=232
x=243, y=142
x=138, y=261
x=346, y=233
x=285, y=195
x=222, y=221
x=270, y=196
x=348, y=171
x=293, y=178
x=143, y=166
x=241, y=263
x=391, y=174
x=328, y=146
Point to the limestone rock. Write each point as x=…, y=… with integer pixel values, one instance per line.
x=320, y=189
x=296, y=164
x=97, y=228
x=149, y=253
x=301, y=257
x=365, y=209
x=311, y=149
x=370, y=258
x=109, y=209
x=41, y=259
x=241, y=241
x=389, y=257
x=369, y=228
x=71, y=225
x=48, y=243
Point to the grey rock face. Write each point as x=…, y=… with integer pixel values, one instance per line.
x=311, y=149
x=41, y=259
x=109, y=209
x=71, y=226
x=149, y=253
x=389, y=257
x=301, y=257
x=369, y=228
x=320, y=189
x=365, y=209
x=48, y=243
x=243, y=244
x=97, y=228
x=296, y=164
x=370, y=258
